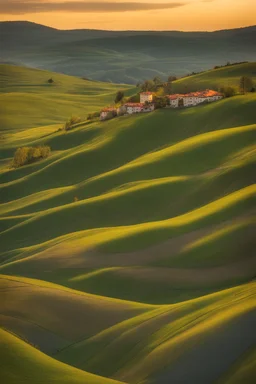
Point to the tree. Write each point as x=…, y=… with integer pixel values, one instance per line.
x=246, y=84
x=168, y=88
x=50, y=81
x=119, y=96
x=71, y=122
x=45, y=151
x=161, y=102
x=157, y=80
x=20, y=157
x=228, y=91
x=171, y=79
x=148, y=85
x=27, y=155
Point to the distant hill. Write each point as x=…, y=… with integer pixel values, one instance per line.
x=123, y=56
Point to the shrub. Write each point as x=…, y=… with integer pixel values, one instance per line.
x=27, y=155
x=245, y=84
x=50, y=81
x=92, y=116
x=228, y=91
x=119, y=96
x=71, y=122
x=161, y=102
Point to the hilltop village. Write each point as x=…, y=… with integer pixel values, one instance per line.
x=147, y=104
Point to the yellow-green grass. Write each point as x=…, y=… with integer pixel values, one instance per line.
x=113, y=144
x=231, y=243
x=216, y=78
x=121, y=282
x=172, y=336
x=150, y=175
x=134, y=284
x=23, y=363
x=27, y=100
x=42, y=304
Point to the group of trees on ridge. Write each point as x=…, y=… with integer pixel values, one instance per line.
x=28, y=155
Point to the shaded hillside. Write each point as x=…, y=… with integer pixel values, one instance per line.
x=21, y=362
x=124, y=56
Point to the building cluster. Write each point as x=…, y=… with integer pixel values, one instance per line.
x=146, y=103
x=193, y=98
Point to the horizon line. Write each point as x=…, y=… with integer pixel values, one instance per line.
x=126, y=30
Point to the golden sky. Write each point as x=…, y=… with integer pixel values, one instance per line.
x=184, y=15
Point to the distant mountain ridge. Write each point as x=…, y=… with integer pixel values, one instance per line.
x=123, y=56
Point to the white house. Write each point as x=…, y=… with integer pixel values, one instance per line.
x=134, y=108
x=146, y=97
x=106, y=112
x=193, y=98
x=148, y=108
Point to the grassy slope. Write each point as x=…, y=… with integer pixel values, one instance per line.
x=48, y=103
x=167, y=335
x=216, y=78
x=165, y=215
x=21, y=363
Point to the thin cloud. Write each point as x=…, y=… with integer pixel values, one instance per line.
x=21, y=7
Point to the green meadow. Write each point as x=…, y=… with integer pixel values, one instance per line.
x=128, y=255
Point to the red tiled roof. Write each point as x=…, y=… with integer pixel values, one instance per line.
x=108, y=109
x=202, y=94
x=141, y=105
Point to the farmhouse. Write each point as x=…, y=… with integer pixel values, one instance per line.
x=106, y=112
x=132, y=108
x=146, y=97
x=193, y=98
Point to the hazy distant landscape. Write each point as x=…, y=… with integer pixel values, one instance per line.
x=128, y=244
x=123, y=57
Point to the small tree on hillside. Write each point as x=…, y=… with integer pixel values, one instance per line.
x=157, y=80
x=119, y=96
x=171, y=79
x=228, y=91
x=50, y=81
x=71, y=122
x=246, y=84
x=148, y=85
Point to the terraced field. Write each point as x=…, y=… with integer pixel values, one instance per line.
x=128, y=255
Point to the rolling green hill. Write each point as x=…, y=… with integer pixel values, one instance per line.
x=27, y=99
x=23, y=363
x=128, y=255
x=216, y=78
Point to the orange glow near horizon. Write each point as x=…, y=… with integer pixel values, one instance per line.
x=190, y=15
